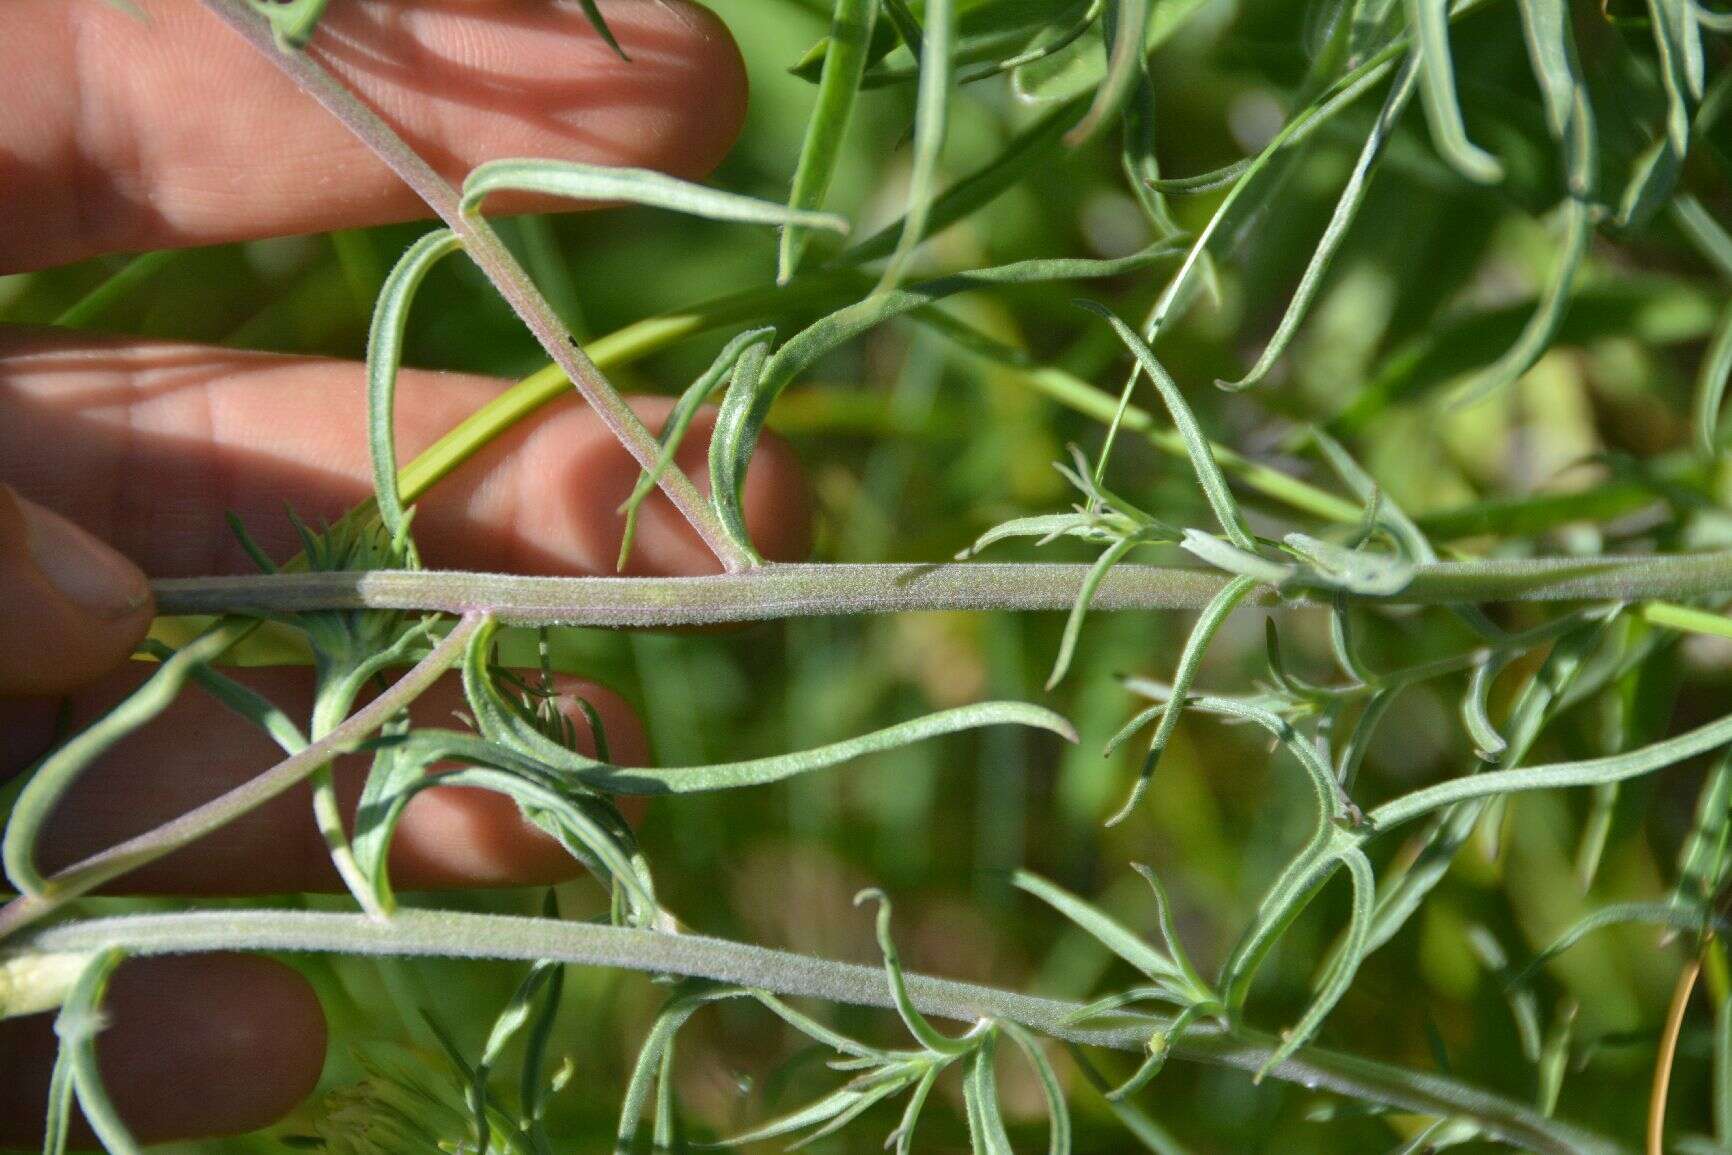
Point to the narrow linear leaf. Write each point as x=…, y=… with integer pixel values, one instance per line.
x=1711, y=385
x=595, y=182
x=592, y=13
x=1113, y=554
x=931, y=120
x=1058, y=1114
x=1346, y=209
x=980, y=1097
x=1100, y=926
x=924, y=1032
x=1554, y=303
x=1429, y=20
x=57, y=772
x=1027, y=151
x=678, y=422
x=1124, y=42
x=844, y=65
x=1213, y=616
x=1209, y=474
x=385, y=357
x=1344, y=964
x=1643, y=913
x=1588, y=772
x=79, y=1022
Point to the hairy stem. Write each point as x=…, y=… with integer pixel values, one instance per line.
x=451, y=934
x=82, y=877
x=786, y=591
x=493, y=258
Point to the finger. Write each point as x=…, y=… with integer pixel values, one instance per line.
x=120, y=135
x=71, y=608
x=205, y=1045
x=449, y=837
x=146, y=445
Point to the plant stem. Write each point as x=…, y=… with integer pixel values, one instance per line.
x=787, y=591
x=1668, y=1054
x=459, y=935
x=493, y=258
x=83, y=877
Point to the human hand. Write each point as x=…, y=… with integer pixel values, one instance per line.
x=122, y=455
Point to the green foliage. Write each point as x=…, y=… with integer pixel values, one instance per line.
x=1457, y=360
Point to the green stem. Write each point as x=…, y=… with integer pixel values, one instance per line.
x=787, y=591
x=458, y=935
x=83, y=877
x=493, y=258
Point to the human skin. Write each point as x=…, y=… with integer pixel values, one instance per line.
x=119, y=457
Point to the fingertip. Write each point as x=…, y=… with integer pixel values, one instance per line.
x=198, y=1046
x=71, y=608
x=712, y=80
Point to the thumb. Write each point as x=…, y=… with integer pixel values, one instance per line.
x=71, y=608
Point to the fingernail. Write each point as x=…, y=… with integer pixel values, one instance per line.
x=82, y=568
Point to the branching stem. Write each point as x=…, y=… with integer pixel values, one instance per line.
x=82, y=877
x=452, y=934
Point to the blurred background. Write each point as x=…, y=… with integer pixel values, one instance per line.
x=915, y=446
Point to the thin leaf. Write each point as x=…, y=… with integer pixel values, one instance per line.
x=639, y=186
x=1091, y=582
x=924, y=1032
x=592, y=13
x=1027, y=151
x=1429, y=21
x=1587, y=772
x=79, y=1022
x=1209, y=621
x=738, y=427
x=980, y=1097
x=1058, y=1114
x=1536, y=336
x=844, y=65
x=903, y=1136
x=1124, y=943
x=1209, y=475
x=931, y=119
x=385, y=357
x=1125, y=47
x=1524, y=1008
x=649, y=1060
x=678, y=422
x=56, y=773
x=1723, y=1072
x=1338, y=976
x=1711, y=385
x=1346, y=209
x=1702, y=858
x=1643, y=913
